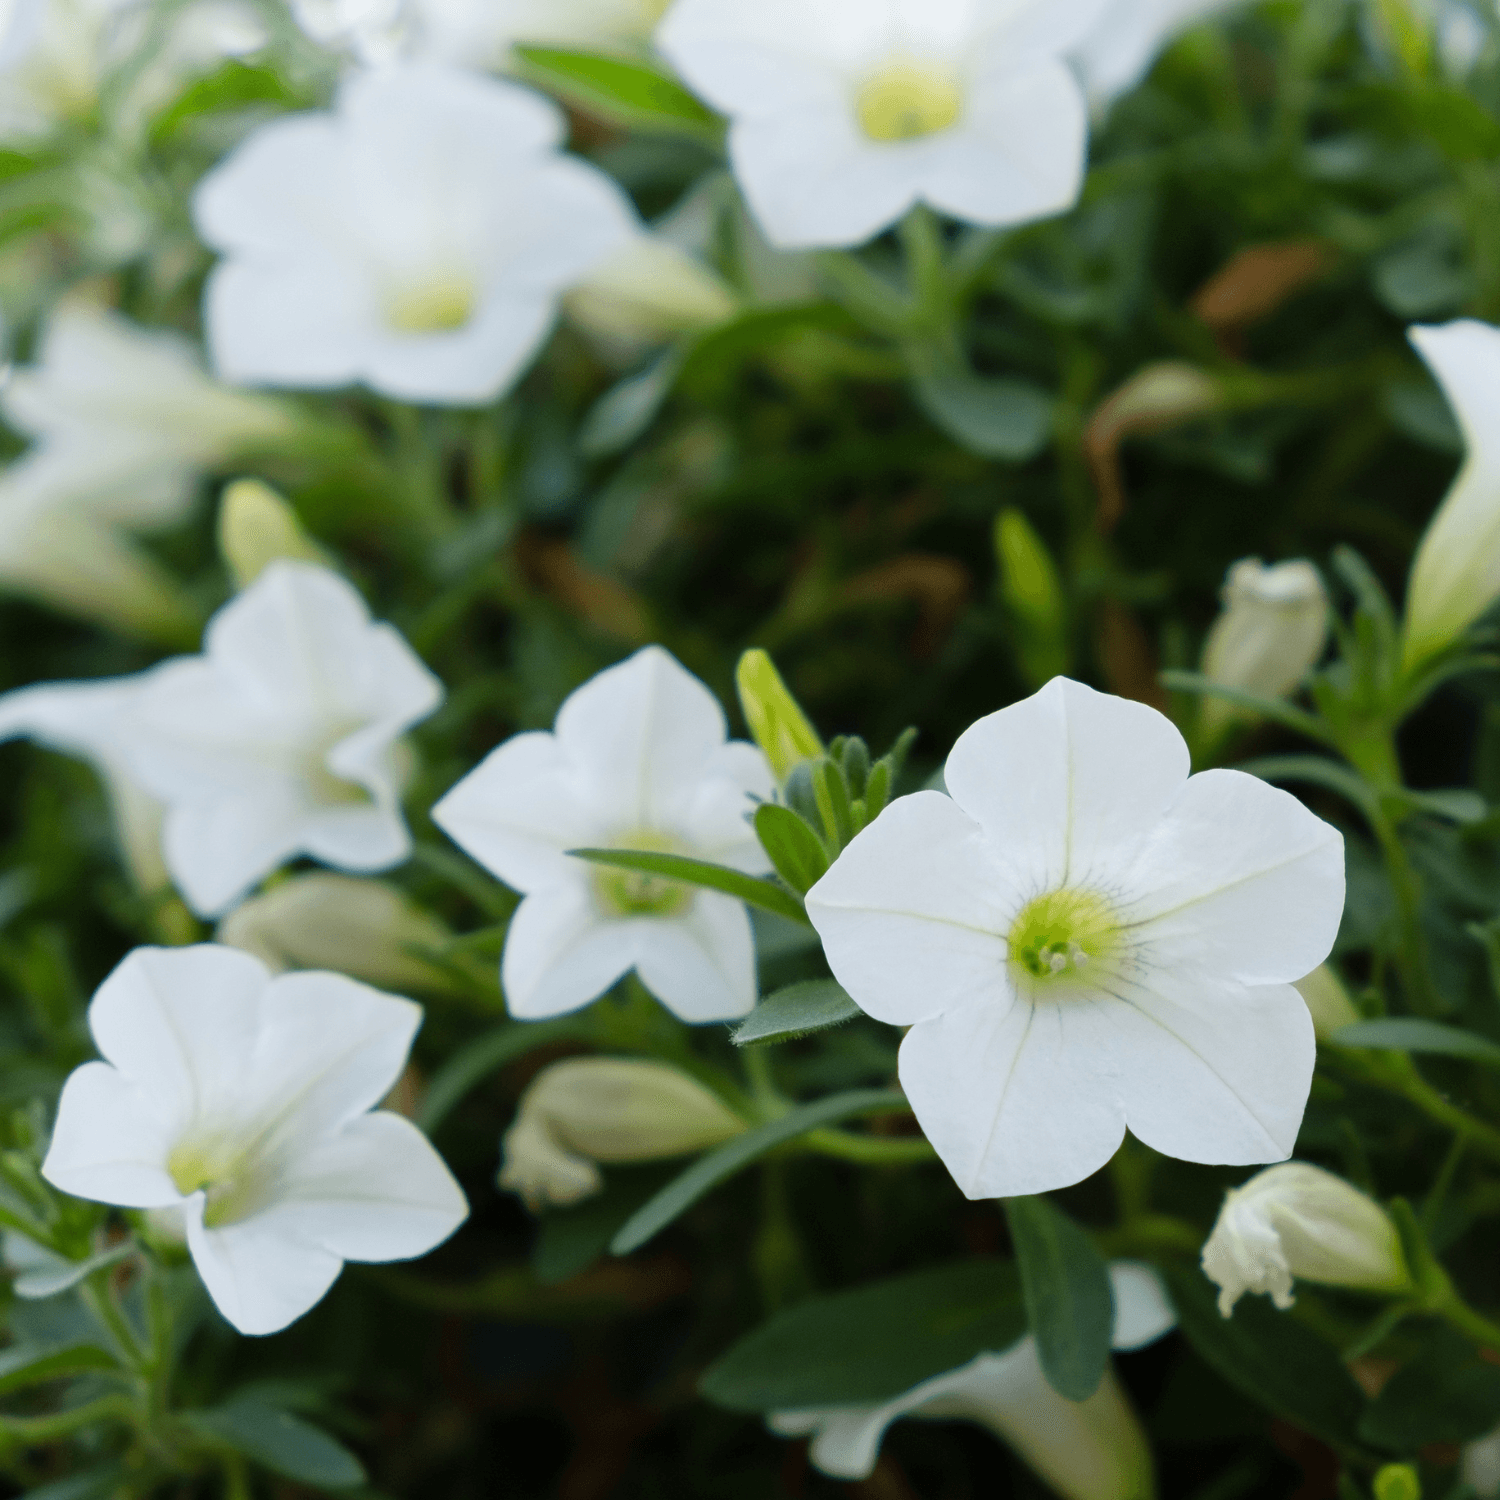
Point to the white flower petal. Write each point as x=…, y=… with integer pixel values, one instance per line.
x=700, y=965
x=218, y=850
x=1143, y=1311
x=1240, y=879
x=560, y=953
x=260, y=1278
x=110, y=1141
x=1211, y=1071
x=1047, y=779
x=913, y=914
x=1016, y=1101
x=375, y=1191
x=719, y=812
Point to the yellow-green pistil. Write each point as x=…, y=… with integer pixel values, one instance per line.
x=1063, y=935
x=906, y=100
x=441, y=305
x=633, y=893
x=232, y=1187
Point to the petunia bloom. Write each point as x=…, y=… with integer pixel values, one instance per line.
x=417, y=238
x=282, y=738
x=1085, y=1450
x=1455, y=576
x=845, y=113
x=1120, y=47
x=1298, y=1221
x=244, y=1101
x=638, y=760
x=1082, y=938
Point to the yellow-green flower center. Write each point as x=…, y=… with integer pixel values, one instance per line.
x=232, y=1185
x=633, y=893
x=437, y=306
x=324, y=787
x=906, y=100
x=1063, y=936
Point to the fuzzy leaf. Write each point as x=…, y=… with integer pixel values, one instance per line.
x=812, y=1005
x=747, y=888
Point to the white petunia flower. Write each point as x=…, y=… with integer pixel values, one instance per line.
x=1122, y=44
x=1455, y=575
x=84, y=719
x=1084, y=938
x=585, y=1110
x=638, y=760
x=845, y=113
x=244, y=1101
x=1085, y=1450
x=1298, y=1221
x=417, y=238
x=281, y=739
x=1270, y=635
x=482, y=33
x=124, y=423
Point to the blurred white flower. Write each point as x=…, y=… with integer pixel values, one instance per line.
x=245, y=1101
x=1120, y=47
x=123, y=422
x=638, y=760
x=481, y=33
x=282, y=738
x=845, y=113
x=1084, y=1450
x=83, y=719
x=1298, y=1221
x=1082, y=938
x=363, y=928
x=1455, y=575
x=1271, y=633
x=585, y=1110
x=1480, y=1465
x=416, y=238
x=373, y=31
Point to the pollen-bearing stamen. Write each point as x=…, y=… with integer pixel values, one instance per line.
x=1058, y=935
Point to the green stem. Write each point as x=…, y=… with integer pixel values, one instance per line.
x=99, y=1296
x=1152, y=1233
x=1395, y=1073
x=1411, y=954
x=236, y=1477
x=62, y=1424
x=1463, y=1317
x=865, y=293
x=869, y=1150
x=926, y=267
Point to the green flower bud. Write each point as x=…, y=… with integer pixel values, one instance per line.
x=776, y=720
x=256, y=528
x=1327, y=1001
x=1033, y=596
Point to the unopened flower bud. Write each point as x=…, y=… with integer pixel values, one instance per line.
x=586, y=1110
x=256, y=528
x=363, y=928
x=1033, y=596
x=1272, y=630
x=1397, y=1482
x=647, y=293
x=776, y=720
x=1328, y=1002
x=1298, y=1221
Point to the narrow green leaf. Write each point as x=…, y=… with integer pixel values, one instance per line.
x=1005, y=419
x=280, y=1442
x=23, y=1365
x=1268, y=708
x=811, y=1005
x=1413, y=1034
x=104, y=1480
x=621, y=90
x=476, y=1060
x=1272, y=1358
x=58, y=1275
x=570, y=1240
x=873, y=1342
x=1445, y=1394
x=721, y=1164
x=1317, y=769
x=1069, y=1304
x=236, y=85
x=794, y=849
x=625, y=411
x=1455, y=804
x=747, y=888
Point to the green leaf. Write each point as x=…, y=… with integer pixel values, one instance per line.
x=1269, y=708
x=1446, y=1394
x=794, y=849
x=721, y=1164
x=1006, y=419
x=570, y=1240
x=280, y=1442
x=1317, y=769
x=236, y=85
x=626, y=92
x=1069, y=1305
x=811, y=1005
x=22, y=1366
x=628, y=408
x=49, y=1279
x=747, y=888
x=1269, y=1356
x=1454, y=804
x=102, y=1481
x=1413, y=1034
x=476, y=1060
x=873, y=1342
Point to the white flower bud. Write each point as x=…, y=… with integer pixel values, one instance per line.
x=611, y=1109
x=362, y=928
x=1296, y=1220
x=1272, y=630
x=1327, y=1000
